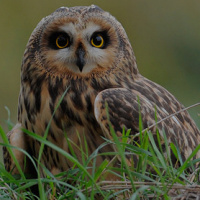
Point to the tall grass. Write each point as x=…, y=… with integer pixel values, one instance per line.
x=153, y=176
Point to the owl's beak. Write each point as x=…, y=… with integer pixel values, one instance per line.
x=80, y=53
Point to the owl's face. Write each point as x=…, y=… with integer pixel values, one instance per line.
x=79, y=47
x=80, y=41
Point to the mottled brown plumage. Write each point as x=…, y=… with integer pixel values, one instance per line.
x=97, y=64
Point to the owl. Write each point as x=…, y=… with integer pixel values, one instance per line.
x=80, y=59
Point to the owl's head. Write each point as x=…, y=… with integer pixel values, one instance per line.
x=80, y=41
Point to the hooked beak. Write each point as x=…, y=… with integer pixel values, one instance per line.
x=80, y=53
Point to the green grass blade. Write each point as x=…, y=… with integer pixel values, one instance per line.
x=119, y=148
x=5, y=140
x=158, y=153
x=64, y=153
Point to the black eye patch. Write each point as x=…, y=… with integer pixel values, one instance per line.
x=59, y=40
x=100, y=39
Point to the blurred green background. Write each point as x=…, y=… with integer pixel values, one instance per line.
x=165, y=36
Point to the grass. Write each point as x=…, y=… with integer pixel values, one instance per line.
x=152, y=177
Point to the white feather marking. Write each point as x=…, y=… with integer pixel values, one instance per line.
x=69, y=28
x=175, y=119
x=96, y=110
x=165, y=111
x=172, y=131
x=147, y=101
x=91, y=28
x=93, y=6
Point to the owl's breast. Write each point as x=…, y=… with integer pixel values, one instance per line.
x=71, y=118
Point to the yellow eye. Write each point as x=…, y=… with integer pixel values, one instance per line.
x=97, y=41
x=62, y=41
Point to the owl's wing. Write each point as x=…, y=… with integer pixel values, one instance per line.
x=16, y=138
x=125, y=106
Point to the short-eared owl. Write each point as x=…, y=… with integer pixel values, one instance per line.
x=86, y=52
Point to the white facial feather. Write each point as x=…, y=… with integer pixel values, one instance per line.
x=67, y=56
x=69, y=28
